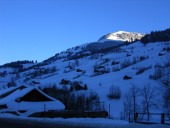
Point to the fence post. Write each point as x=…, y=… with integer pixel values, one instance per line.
x=135, y=117
x=44, y=110
x=44, y=107
x=129, y=117
x=162, y=118
x=109, y=110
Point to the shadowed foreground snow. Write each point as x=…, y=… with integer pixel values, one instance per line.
x=71, y=123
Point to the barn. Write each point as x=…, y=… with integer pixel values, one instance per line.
x=25, y=100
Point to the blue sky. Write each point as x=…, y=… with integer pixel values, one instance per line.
x=38, y=29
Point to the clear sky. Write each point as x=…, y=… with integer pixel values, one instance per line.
x=38, y=29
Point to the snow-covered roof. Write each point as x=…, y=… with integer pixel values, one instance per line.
x=18, y=92
x=3, y=91
x=15, y=95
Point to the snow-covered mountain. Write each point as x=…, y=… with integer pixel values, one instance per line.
x=105, y=43
x=101, y=68
x=121, y=36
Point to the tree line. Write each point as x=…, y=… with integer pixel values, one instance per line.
x=156, y=36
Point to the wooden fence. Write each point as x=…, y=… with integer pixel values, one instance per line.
x=161, y=115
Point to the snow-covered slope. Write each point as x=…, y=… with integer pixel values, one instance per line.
x=99, y=70
x=105, y=43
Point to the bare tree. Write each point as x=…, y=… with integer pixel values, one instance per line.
x=165, y=80
x=128, y=105
x=131, y=100
x=135, y=94
x=166, y=98
x=114, y=92
x=148, y=95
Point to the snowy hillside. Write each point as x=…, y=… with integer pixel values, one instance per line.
x=113, y=70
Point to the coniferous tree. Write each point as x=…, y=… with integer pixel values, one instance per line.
x=156, y=36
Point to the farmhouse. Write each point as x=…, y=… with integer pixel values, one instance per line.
x=27, y=100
